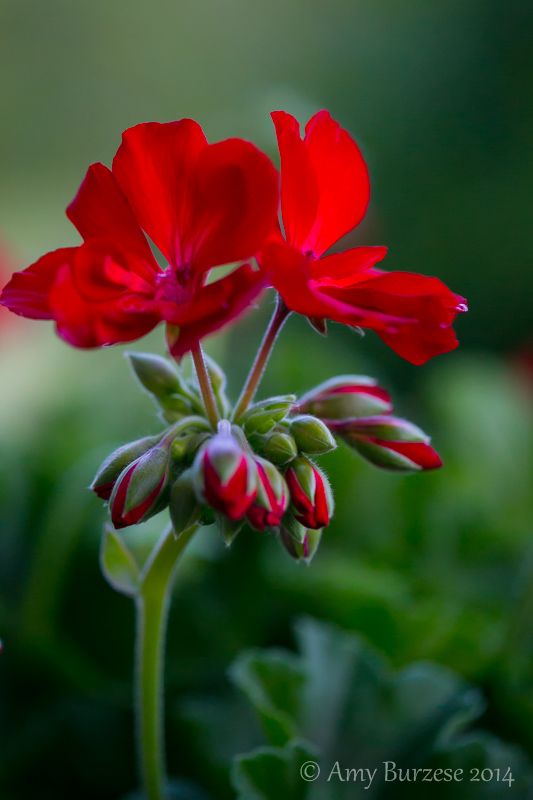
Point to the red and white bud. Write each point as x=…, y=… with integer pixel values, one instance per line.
x=390, y=443
x=311, y=497
x=140, y=488
x=225, y=476
x=346, y=397
x=272, y=499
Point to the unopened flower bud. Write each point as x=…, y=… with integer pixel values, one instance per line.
x=183, y=503
x=300, y=542
x=311, y=498
x=391, y=443
x=113, y=465
x=312, y=435
x=346, y=397
x=272, y=499
x=225, y=476
x=263, y=416
x=279, y=447
x=139, y=490
x=156, y=374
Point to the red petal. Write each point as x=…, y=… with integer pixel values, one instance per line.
x=231, y=498
x=325, y=187
x=153, y=166
x=345, y=269
x=299, y=188
x=291, y=273
x=101, y=211
x=27, y=293
x=86, y=322
x=425, y=303
x=234, y=203
x=342, y=178
x=212, y=307
x=418, y=452
x=321, y=510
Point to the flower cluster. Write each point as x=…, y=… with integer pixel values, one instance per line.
x=203, y=206
x=209, y=205
x=258, y=471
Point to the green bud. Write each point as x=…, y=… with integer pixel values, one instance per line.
x=175, y=406
x=113, y=465
x=183, y=504
x=312, y=435
x=263, y=416
x=156, y=374
x=190, y=433
x=300, y=542
x=280, y=448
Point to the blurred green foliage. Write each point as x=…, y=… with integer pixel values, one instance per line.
x=428, y=568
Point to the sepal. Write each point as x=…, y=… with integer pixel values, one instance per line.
x=229, y=528
x=183, y=503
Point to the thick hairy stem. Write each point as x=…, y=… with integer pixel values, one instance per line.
x=152, y=605
x=281, y=312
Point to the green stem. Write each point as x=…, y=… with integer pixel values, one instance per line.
x=281, y=312
x=152, y=606
x=204, y=381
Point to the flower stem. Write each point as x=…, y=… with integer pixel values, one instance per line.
x=152, y=606
x=204, y=381
x=281, y=313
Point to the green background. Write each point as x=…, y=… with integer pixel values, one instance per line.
x=432, y=567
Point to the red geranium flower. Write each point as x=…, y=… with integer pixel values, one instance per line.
x=203, y=205
x=325, y=191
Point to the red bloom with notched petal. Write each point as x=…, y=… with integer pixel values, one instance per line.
x=325, y=191
x=203, y=205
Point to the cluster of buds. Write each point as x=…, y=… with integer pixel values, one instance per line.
x=359, y=412
x=256, y=471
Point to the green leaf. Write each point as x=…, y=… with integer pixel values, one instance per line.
x=272, y=773
x=118, y=565
x=343, y=698
x=272, y=681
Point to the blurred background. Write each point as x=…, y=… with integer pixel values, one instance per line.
x=430, y=577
